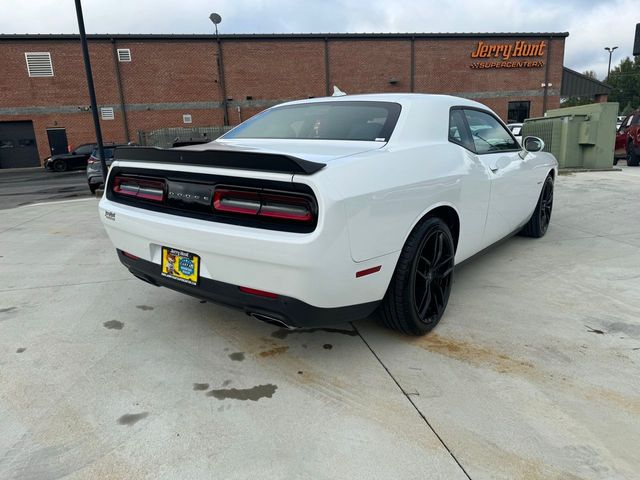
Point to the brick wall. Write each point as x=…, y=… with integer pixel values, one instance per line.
x=169, y=77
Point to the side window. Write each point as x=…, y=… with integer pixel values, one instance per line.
x=458, y=132
x=84, y=149
x=488, y=134
x=635, y=120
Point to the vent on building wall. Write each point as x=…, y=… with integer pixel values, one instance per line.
x=124, y=55
x=186, y=118
x=39, y=64
x=107, y=113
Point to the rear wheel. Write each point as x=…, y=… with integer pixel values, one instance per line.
x=538, y=224
x=632, y=156
x=93, y=187
x=419, y=290
x=60, y=165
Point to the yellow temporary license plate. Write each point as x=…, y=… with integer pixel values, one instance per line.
x=179, y=265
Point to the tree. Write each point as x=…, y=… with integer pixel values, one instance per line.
x=590, y=74
x=625, y=82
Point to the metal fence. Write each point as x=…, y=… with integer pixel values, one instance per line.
x=168, y=137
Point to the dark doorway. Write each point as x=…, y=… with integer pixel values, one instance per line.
x=518, y=112
x=18, y=145
x=58, y=140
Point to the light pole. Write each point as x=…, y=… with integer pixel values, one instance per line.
x=610, y=50
x=216, y=19
x=92, y=92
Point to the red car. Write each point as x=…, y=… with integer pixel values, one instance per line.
x=628, y=140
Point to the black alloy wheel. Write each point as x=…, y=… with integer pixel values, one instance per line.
x=432, y=274
x=538, y=224
x=546, y=205
x=419, y=290
x=60, y=165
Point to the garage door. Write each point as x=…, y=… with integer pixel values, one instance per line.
x=18, y=145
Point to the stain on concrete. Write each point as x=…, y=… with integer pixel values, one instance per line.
x=200, y=386
x=130, y=419
x=144, y=307
x=327, y=346
x=8, y=310
x=273, y=352
x=237, y=356
x=254, y=393
x=226, y=383
x=284, y=333
x=472, y=354
x=631, y=329
x=113, y=325
x=20, y=350
x=203, y=301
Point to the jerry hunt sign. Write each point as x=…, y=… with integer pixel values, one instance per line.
x=519, y=54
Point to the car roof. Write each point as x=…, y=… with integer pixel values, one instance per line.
x=402, y=98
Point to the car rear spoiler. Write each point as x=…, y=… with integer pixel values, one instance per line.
x=220, y=156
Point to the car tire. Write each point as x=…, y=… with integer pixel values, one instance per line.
x=93, y=188
x=632, y=156
x=615, y=161
x=60, y=165
x=419, y=290
x=538, y=224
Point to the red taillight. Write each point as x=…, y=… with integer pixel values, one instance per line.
x=261, y=203
x=130, y=255
x=260, y=293
x=139, y=188
x=92, y=159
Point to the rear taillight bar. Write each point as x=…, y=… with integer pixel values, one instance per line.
x=143, y=188
x=262, y=203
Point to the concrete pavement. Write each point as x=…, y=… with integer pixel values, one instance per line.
x=533, y=372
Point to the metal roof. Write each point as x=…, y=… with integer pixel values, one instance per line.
x=277, y=36
x=576, y=84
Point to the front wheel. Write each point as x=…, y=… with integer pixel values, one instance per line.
x=538, y=224
x=632, y=156
x=419, y=290
x=60, y=165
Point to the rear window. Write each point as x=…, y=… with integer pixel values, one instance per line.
x=345, y=120
x=108, y=152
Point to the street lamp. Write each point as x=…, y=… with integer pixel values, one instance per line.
x=610, y=50
x=216, y=19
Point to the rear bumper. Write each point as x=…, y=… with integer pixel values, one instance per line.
x=290, y=311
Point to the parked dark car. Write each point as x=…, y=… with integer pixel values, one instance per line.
x=94, y=171
x=75, y=159
x=628, y=140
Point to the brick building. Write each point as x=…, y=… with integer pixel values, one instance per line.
x=147, y=82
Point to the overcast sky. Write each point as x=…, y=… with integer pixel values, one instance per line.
x=592, y=24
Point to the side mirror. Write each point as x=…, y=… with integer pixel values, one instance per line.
x=532, y=144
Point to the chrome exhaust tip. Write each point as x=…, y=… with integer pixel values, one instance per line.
x=270, y=320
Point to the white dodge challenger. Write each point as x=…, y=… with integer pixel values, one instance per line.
x=321, y=211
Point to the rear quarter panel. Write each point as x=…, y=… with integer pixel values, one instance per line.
x=385, y=193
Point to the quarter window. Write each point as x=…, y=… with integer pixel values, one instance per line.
x=488, y=134
x=458, y=132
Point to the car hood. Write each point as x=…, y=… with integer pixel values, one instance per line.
x=322, y=151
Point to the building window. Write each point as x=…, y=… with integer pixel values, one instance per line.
x=186, y=118
x=518, y=112
x=124, y=55
x=39, y=64
x=107, y=113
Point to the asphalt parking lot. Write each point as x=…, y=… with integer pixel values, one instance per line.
x=25, y=186
x=534, y=372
